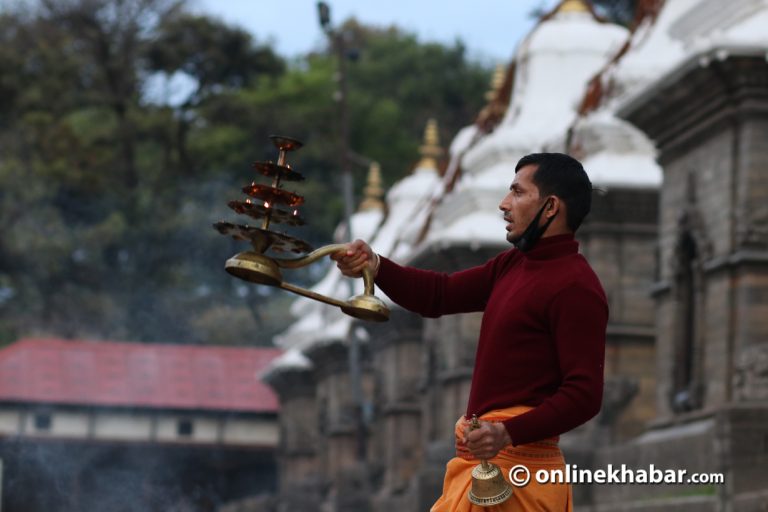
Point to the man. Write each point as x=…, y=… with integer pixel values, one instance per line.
x=539, y=362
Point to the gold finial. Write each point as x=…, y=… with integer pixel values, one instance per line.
x=430, y=151
x=373, y=191
x=573, y=6
x=497, y=80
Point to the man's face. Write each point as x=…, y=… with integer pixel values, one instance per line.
x=522, y=203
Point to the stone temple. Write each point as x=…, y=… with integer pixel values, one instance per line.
x=670, y=119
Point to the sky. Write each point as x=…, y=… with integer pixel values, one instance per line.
x=490, y=29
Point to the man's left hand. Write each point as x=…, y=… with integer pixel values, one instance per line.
x=485, y=442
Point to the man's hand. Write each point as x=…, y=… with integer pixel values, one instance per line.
x=355, y=258
x=485, y=442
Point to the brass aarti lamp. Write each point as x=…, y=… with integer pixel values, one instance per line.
x=274, y=205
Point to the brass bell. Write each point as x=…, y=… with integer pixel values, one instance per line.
x=488, y=484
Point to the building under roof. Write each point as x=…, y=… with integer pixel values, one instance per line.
x=88, y=425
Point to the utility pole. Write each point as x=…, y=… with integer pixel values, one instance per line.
x=342, y=94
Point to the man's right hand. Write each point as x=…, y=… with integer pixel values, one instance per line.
x=355, y=258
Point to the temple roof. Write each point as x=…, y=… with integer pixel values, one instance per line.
x=654, y=49
x=683, y=33
x=553, y=64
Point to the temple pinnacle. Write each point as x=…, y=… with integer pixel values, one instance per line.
x=497, y=80
x=373, y=192
x=573, y=6
x=430, y=151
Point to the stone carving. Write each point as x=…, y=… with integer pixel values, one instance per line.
x=753, y=228
x=750, y=379
x=617, y=395
x=688, y=398
x=692, y=249
x=690, y=228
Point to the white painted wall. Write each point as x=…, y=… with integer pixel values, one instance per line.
x=68, y=424
x=122, y=426
x=139, y=427
x=245, y=431
x=9, y=421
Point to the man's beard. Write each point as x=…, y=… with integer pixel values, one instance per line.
x=528, y=238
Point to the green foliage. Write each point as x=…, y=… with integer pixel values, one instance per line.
x=621, y=12
x=617, y=11
x=107, y=198
x=213, y=53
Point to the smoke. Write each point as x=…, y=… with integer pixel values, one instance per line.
x=78, y=476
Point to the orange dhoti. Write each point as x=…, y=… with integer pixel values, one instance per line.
x=533, y=497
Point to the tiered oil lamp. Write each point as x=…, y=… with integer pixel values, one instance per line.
x=274, y=205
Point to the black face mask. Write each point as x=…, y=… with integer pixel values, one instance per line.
x=533, y=232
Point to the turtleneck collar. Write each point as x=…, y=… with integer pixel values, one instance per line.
x=553, y=247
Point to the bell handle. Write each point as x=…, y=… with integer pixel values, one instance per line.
x=313, y=257
x=474, y=425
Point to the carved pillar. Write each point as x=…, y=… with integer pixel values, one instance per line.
x=619, y=239
x=346, y=475
x=448, y=356
x=396, y=359
x=299, y=471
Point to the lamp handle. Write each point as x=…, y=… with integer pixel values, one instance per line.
x=319, y=253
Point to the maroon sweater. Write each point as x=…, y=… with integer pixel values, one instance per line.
x=542, y=338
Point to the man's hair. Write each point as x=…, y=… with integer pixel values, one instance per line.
x=563, y=176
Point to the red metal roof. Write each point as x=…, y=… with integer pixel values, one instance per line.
x=56, y=371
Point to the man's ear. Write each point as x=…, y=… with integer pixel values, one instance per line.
x=553, y=206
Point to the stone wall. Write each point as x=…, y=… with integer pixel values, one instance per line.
x=709, y=121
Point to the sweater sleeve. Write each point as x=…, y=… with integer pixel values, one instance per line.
x=432, y=294
x=578, y=316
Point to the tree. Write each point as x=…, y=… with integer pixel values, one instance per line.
x=216, y=56
x=618, y=11
x=398, y=83
x=621, y=12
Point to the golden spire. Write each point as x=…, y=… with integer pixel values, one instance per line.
x=373, y=191
x=496, y=82
x=573, y=6
x=430, y=151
